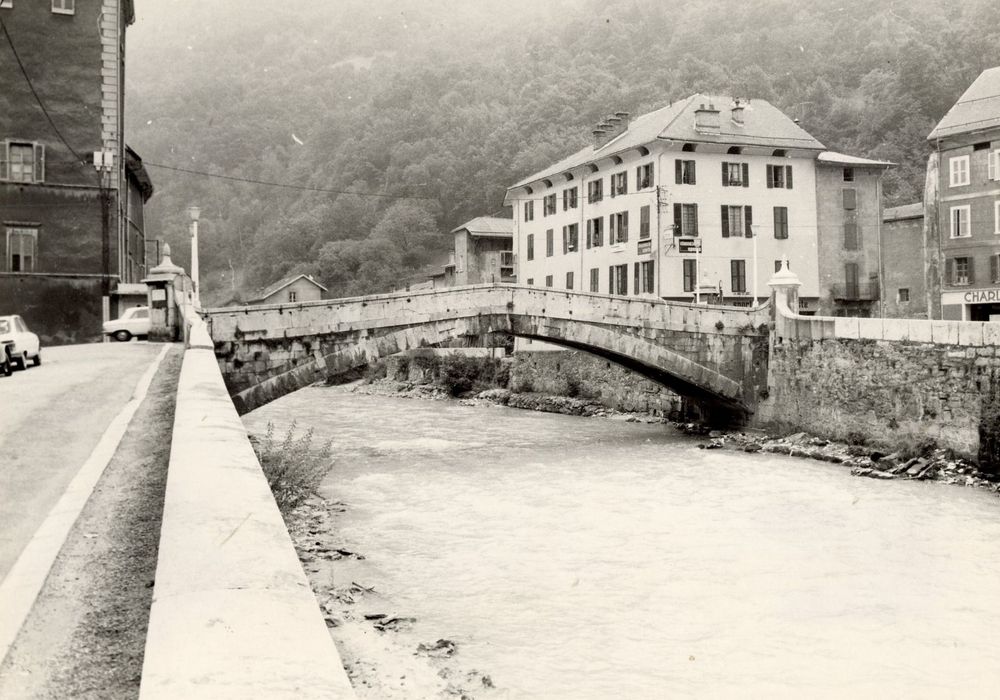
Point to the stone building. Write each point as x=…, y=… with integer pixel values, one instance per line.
x=904, y=291
x=962, y=203
x=290, y=290
x=737, y=180
x=484, y=251
x=849, y=225
x=71, y=192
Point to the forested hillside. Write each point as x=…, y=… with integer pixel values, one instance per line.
x=427, y=110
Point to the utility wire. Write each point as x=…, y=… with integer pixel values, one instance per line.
x=38, y=99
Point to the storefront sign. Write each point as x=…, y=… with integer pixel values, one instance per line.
x=981, y=296
x=644, y=247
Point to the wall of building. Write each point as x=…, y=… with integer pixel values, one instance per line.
x=833, y=216
x=61, y=310
x=708, y=193
x=303, y=289
x=478, y=259
x=903, y=252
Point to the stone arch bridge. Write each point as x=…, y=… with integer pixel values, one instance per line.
x=714, y=356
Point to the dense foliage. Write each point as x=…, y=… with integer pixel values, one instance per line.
x=448, y=102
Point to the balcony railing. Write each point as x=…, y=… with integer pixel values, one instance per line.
x=862, y=291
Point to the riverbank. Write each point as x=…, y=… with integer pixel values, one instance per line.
x=387, y=653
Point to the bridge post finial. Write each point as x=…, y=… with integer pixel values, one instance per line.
x=784, y=286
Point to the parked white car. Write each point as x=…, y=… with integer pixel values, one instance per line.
x=18, y=343
x=134, y=323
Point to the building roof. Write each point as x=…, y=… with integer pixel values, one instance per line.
x=488, y=227
x=906, y=211
x=834, y=158
x=977, y=108
x=764, y=125
x=281, y=284
x=135, y=168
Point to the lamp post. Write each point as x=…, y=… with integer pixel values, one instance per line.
x=194, y=213
x=754, y=228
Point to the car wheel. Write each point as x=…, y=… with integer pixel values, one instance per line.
x=18, y=361
x=6, y=369
x=37, y=359
x=123, y=336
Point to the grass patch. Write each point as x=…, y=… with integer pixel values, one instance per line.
x=293, y=466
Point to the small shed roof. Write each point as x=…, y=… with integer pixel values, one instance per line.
x=488, y=227
x=834, y=158
x=281, y=284
x=978, y=108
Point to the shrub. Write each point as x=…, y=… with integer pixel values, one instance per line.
x=375, y=371
x=855, y=437
x=459, y=374
x=294, y=467
x=522, y=385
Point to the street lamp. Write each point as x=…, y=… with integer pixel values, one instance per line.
x=194, y=213
x=754, y=228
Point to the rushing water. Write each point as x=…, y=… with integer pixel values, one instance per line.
x=590, y=558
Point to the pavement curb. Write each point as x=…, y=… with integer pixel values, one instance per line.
x=20, y=588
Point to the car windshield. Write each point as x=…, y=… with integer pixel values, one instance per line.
x=141, y=313
x=4, y=325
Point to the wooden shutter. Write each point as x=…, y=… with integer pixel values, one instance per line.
x=694, y=171
x=565, y=237
x=770, y=177
x=850, y=199
x=623, y=227
x=635, y=280
x=994, y=268
x=644, y=222
x=678, y=172
x=850, y=236
x=611, y=183
x=4, y=160
x=623, y=179
x=638, y=178
x=748, y=217
x=611, y=280
x=39, y=163
x=725, y=174
x=590, y=232
x=788, y=177
x=694, y=208
x=949, y=270
x=678, y=221
x=725, y=221
x=746, y=175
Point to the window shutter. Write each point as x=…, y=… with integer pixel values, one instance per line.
x=725, y=174
x=678, y=227
x=748, y=216
x=695, y=217
x=725, y=221
x=850, y=199
x=624, y=227
x=4, y=175
x=611, y=182
x=972, y=270
x=770, y=177
x=39, y=162
x=994, y=165
x=746, y=175
x=590, y=232
x=694, y=171
x=638, y=178
x=949, y=270
x=611, y=280
x=623, y=178
x=788, y=176
x=678, y=172
x=635, y=280
x=994, y=268
x=565, y=237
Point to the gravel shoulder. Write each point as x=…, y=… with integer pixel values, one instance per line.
x=86, y=634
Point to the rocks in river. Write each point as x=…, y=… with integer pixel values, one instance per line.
x=440, y=648
x=394, y=624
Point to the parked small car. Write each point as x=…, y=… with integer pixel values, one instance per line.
x=6, y=368
x=19, y=343
x=134, y=323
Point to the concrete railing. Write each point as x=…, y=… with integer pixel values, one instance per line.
x=233, y=615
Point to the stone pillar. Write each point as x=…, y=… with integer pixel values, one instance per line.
x=784, y=286
x=932, y=236
x=164, y=320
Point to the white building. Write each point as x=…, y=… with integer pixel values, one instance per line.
x=626, y=214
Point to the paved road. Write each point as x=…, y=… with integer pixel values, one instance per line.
x=51, y=417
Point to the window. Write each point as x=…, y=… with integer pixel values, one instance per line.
x=549, y=204
x=529, y=210
x=850, y=235
x=569, y=280
x=851, y=280
x=960, y=222
x=993, y=165
x=548, y=280
x=6, y=4
x=781, y=223
x=644, y=277
x=735, y=175
x=958, y=171
x=684, y=172
x=690, y=272
x=848, y=174
x=685, y=219
x=22, y=161
x=903, y=295
x=850, y=199
x=595, y=191
x=571, y=238
x=619, y=184
x=618, y=279
x=549, y=249
x=996, y=217
x=531, y=281
x=960, y=271
x=644, y=176
x=595, y=232
x=293, y=296
x=738, y=275
x=737, y=222
x=779, y=177
x=644, y=222
x=595, y=279
x=995, y=269
x=64, y=7
x=531, y=246
x=22, y=247
x=618, y=227
x=569, y=198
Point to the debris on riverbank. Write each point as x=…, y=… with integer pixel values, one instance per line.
x=387, y=655
x=929, y=463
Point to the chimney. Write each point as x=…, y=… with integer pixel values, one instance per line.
x=610, y=128
x=738, y=113
x=706, y=119
x=602, y=134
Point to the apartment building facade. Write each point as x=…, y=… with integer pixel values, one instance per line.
x=904, y=292
x=697, y=201
x=963, y=206
x=72, y=237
